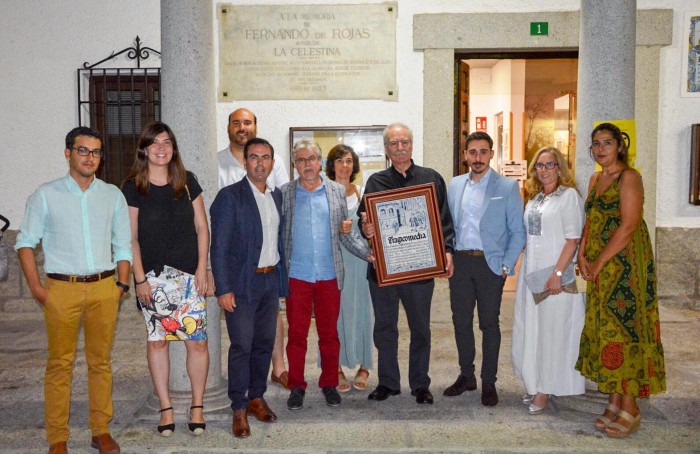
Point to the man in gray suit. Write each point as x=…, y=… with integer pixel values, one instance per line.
x=487, y=211
x=313, y=210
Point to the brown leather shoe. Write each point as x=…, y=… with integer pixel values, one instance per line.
x=259, y=408
x=282, y=380
x=58, y=448
x=105, y=444
x=240, y=428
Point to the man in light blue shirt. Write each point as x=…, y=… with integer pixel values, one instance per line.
x=487, y=211
x=83, y=226
x=313, y=209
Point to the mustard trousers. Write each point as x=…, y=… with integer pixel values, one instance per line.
x=95, y=304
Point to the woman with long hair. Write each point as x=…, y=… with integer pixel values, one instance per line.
x=621, y=346
x=170, y=243
x=546, y=333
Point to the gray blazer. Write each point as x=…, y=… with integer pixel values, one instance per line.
x=335, y=192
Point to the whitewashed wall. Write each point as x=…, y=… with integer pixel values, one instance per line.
x=45, y=41
x=676, y=114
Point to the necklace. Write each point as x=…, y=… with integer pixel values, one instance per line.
x=534, y=217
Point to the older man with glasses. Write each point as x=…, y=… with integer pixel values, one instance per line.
x=313, y=209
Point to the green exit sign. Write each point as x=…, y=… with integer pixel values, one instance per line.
x=539, y=28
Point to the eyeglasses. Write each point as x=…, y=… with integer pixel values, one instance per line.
x=256, y=158
x=396, y=143
x=549, y=165
x=303, y=161
x=84, y=151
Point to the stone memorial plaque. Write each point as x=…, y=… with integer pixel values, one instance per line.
x=307, y=52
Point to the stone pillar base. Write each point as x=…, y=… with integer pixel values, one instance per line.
x=217, y=406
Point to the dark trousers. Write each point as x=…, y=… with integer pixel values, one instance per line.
x=251, y=328
x=416, y=298
x=474, y=284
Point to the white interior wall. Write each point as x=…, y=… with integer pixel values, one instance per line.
x=44, y=42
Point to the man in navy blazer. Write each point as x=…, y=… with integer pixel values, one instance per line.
x=247, y=260
x=487, y=211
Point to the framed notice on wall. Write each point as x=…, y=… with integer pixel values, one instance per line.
x=366, y=141
x=690, y=85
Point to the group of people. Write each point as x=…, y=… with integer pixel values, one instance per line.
x=306, y=240
x=607, y=332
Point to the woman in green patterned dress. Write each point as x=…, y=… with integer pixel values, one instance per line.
x=620, y=346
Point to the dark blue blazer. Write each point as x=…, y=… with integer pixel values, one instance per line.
x=237, y=237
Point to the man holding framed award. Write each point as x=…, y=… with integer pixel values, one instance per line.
x=415, y=296
x=490, y=234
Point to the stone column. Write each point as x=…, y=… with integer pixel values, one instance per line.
x=606, y=74
x=188, y=105
x=606, y=61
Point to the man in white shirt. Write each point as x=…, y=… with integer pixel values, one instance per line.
x=242, y=127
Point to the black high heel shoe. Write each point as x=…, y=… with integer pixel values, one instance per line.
x=166, y=430
x=197, y=428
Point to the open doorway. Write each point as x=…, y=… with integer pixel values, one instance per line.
x=524, y=101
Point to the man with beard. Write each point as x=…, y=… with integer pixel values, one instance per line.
x=489, y=235
x=416, y=297
x=243, y=126
x=247, y=261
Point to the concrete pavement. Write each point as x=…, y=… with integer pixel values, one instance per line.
x=671, y=421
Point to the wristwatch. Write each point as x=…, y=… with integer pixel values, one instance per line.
x=505, y=269
x=557, y=272
x=123, y=286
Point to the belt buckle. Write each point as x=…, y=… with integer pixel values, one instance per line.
x=72, y=279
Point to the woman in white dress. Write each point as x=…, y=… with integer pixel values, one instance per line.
x=546, y=335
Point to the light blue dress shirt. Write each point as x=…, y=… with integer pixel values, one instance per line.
x=81, y=233
x=467, y=226
x=312, y=256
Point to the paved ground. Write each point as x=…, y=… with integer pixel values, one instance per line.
x=671, y=421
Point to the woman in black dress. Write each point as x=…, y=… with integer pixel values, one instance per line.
x=170, y=242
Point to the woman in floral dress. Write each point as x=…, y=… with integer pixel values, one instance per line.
x=620, y=346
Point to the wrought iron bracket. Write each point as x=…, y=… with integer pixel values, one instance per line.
x=136, y=52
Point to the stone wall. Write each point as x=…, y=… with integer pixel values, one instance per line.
x=678, y=266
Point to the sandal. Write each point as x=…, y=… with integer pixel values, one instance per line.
x=166, y=430
x=360, y=381
x=603, y=421
x=197, y=428
x=343, y=385
x=618, y=430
